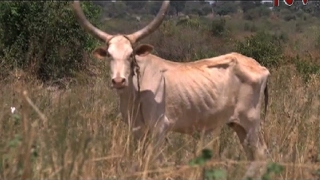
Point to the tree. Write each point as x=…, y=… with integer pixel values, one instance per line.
x=44, y=37
x=247, y=5
x=116, y=9
x=154, y=7
x=197, y=7
x=135, y=5
x=224, y=7
x=178, y=6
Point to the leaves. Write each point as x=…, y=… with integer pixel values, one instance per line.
x=265, y=47
x=205, y=156
x=45, y=36
x=273, y=168
x=215, y=174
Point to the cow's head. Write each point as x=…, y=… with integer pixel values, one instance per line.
x=118, y=48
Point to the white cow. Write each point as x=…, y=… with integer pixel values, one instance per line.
x=183, y=97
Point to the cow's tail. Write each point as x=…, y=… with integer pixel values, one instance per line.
x=262, y=121
x=266, y=101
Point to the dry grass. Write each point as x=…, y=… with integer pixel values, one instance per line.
x=76, y=134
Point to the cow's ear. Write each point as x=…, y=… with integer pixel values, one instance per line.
x=143, y=49
x=100, y=53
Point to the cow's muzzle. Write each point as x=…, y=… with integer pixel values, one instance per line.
x=118, y=82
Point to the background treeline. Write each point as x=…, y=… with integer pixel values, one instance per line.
x=44, y=39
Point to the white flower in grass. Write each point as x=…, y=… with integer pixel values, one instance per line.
x=13, y=109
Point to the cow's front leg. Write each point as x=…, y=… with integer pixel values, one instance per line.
x=153, y=103
x=140, y=136
x=158, y=135
x=150, y=138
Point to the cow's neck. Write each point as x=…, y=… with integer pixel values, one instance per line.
x=130, y=96
x=129, y=101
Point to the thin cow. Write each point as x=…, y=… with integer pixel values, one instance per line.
x=183, y=97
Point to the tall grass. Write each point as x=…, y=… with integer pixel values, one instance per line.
x=75, y=134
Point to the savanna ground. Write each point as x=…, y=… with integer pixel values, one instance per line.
x=74, y=131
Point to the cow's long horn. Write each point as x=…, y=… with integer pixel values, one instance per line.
x=97, y=33
x=152, y=26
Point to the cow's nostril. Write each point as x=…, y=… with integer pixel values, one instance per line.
x=118, y=80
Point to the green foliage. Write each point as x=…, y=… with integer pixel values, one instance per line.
x=178, y=6
x=206, y=155
x=154, y=6
x=289, y=17
x=183, y=46
x=116, y=9
x=135, y=5
x=317, y=43
x=190, y=22
x=218, y=27
x=273, y=168
x=266, y=48
x=16, y=141
x=248, y=26
x=215, y=174
x=209, y=174
x=197, y=8
x=44, y=37
x=283, y=37
x=306, y=67
x=248, y=5
x=225, y=7
x=255, y=13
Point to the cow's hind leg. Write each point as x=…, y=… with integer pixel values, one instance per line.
x=253, y=145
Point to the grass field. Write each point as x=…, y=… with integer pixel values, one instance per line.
x=75, y=134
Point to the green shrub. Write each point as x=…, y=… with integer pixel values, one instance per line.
x=283, y=37
x=225, y=7
x=288, y=15
x=193, y=23
x=266, y=48
x=306, y=67
x=218, y=27
x=250, y=27
x=317, y=42
x=256, y=13
x=44, y=37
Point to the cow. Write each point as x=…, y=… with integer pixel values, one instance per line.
x=164, y=96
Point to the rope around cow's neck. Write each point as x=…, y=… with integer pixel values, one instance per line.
x=135, y=69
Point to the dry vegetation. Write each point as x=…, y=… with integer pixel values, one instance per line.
x=75, y=133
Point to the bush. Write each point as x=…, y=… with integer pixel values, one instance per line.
x=256, y=13
x=306, y=67
x=179, y=43
x=250, y=27
x=218, y=27
x=317, y=42
x=225, y=7
x=44, y=37
x=266, y=48
x=193, y=23
x=288, y=15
